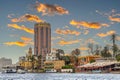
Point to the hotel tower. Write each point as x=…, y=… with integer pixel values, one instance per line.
x=42, y=40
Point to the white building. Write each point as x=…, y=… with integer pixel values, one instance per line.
x=66, y=70
x=51, y=56
x=5, y=62
x=22, y=58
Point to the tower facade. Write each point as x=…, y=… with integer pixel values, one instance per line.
x=42, y=39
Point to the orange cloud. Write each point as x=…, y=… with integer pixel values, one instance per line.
x=47, y=9
x=64, y=32
x=86, y=32
x=106, y=34
x=83, y=48
x=90, y=40
x=18, y=43
x=115, y=19
x=63, y=42
x=54, y=38
x=26, y=17
x=24, y=28
x=118, y=38
x=25, y=41
x=92, y=25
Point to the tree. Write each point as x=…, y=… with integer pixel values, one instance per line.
x=97, y=50
x=66, y=59
x=92, y=60
x=90, y=46
x=118, y=57
x=114, y=47
x=105, y=52
x=75, y=53
x=59, y=53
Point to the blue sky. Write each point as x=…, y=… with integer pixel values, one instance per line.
x=78, y=23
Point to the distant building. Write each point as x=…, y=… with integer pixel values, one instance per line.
x=66, y=70
x=22, y=58
x=42, y=40
x=5, y=62
x=30, y=52
x=86, y=59
x=54, y=64
x=51, y=56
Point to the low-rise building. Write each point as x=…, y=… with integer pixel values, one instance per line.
x=54, y=64
x=66, y=70
x=86, y=59
x=51, y=56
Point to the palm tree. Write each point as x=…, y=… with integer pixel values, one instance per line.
x=114, y=47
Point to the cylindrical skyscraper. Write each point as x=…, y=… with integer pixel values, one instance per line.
x=42, y=39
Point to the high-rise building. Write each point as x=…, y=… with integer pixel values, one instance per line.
x=5, y=62
x=42, y=39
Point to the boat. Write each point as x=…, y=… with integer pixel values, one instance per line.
x=20, y=71
x=9, y=70
x=96, y=71
x=50, y=71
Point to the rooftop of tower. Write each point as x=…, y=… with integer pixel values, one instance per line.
x=42, y=24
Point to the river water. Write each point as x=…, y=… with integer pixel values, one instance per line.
x=59, y=76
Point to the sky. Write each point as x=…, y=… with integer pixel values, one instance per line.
x=74, y=24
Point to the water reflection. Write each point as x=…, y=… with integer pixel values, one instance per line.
x=59, y=76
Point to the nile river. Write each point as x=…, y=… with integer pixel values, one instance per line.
x=59, y=76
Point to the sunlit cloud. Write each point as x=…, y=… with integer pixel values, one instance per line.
x=24, y=28
x=67, y=31
x=83, y=48
x=13, y=35
x=92, y=25
x=86, y=32
x=55, y=38
x=118, y=38
x=17, y=43
x=90, y=40
x=112, y=15
x=48, y=9
x=63, y=42
x=25, y=41
x=106, y=34
x=114, y=19
x=26, y=17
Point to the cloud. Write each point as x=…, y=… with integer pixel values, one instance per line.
x=106, y=34
x=89, y=40
x=48, y=9
x=64, y=32
x=17, y=43
x=118, y=38
x=24, y=28
x=112, y=15
x=85, y=24
x=63, y=42
x=26, y=17
x=86, y=32
x=25, y=41
x=54, y=38
x=114, y=19
x=83, y=48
